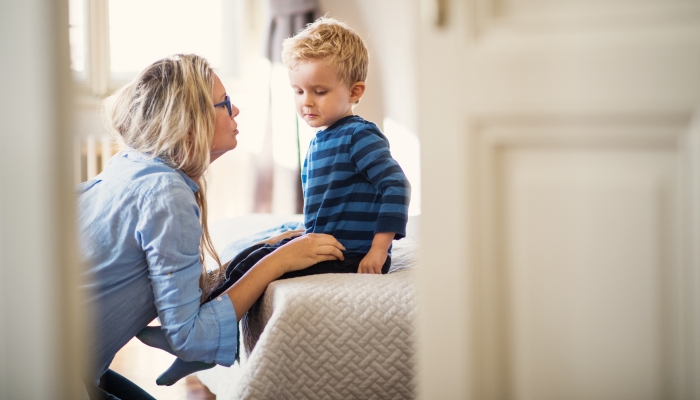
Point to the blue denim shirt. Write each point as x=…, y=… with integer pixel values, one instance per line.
x=139, y=234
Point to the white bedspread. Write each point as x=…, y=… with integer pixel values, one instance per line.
x=333, y=336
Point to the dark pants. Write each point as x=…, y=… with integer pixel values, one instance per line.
x=246, y=259
x=116, y=387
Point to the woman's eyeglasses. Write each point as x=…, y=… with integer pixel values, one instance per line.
x=227, y=103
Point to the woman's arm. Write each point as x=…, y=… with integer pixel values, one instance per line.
x=297, y=254
x=168, y=231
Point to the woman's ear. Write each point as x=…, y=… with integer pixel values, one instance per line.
x=356, y=91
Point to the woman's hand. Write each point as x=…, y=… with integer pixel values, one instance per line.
x=281, y=237
x=298, y=254
x=308, y=250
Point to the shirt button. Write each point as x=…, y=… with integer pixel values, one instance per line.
x=218, y=299
x=170, y=274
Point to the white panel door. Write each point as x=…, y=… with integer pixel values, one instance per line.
x=561, y=243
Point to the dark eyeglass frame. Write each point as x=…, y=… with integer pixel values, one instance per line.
x=227, y=103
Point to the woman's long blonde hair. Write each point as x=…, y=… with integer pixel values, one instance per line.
x=168, y=112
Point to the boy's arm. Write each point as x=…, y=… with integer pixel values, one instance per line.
x=374, y=260
x=370, y=153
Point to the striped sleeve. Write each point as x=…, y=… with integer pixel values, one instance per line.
x=369, y=151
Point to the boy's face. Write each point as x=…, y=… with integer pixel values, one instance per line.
x=321, y=97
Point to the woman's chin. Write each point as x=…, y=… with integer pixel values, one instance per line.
x=214, y=154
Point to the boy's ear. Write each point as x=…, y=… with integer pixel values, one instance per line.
x=356, y=91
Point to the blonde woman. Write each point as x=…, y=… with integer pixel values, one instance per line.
x=142, y=224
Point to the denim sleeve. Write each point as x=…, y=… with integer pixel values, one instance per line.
x=169, y=233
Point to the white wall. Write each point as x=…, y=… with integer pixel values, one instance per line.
x=388, y=28
x=38, y=308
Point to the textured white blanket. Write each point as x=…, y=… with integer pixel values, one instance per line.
x=333, y=336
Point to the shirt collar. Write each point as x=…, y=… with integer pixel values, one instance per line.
x=346, y=119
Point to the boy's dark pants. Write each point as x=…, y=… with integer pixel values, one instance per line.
x=246, y=259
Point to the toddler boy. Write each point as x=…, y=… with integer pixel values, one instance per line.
x=353, y=188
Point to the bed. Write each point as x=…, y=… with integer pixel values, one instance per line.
x=333, y=336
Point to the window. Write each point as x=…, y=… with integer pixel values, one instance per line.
x=111, y=41
x=77, y=38
x=143, y=31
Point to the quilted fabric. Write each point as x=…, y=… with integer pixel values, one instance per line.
x=334, y=336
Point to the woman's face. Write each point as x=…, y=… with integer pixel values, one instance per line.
x=225, y=128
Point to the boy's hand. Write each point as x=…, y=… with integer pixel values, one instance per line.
x=374, y=260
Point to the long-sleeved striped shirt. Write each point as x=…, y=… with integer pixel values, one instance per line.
x=353, y=188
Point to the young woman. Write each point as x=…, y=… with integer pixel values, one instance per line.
x=143, y=230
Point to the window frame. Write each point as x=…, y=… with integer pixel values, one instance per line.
x=97, y=80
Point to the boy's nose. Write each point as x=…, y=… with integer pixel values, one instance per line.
x=308, y=102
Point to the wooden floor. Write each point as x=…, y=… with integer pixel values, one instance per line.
x=142, y=365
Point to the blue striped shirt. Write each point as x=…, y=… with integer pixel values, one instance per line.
x=353, y=188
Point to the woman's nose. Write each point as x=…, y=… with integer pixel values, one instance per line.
x=234, y=111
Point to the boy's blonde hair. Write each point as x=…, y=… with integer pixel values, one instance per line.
x=333, y=41
x=168, y=112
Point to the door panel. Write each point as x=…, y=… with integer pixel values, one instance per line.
x=583, y=259
x=579, y=258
